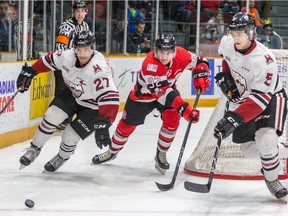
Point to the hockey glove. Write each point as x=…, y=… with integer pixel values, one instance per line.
x=200, y=75
x=184, y=110
x=102, y=136
x=191, y=113
x=226, y=83
x=188, y=112
x=227, y=124
x=25, y=77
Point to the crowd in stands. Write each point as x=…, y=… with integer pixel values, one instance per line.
x=215, y=16
x=220, y=13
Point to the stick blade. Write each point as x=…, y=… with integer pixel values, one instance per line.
x=164, y=187
x=195, y=187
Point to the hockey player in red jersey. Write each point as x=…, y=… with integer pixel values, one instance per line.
x=91, y=95
x=156, y=88
x=258, y=111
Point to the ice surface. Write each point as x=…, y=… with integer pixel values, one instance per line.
x=126, y=185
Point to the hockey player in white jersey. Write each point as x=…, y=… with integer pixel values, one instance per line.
x=91, y=95
x=64, y=40
x=258, y=109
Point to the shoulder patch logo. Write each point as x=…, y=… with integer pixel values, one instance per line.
x=97, y=68
x=268, y=59
x=152, y=67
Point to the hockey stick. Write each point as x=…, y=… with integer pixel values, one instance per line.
x=205, y=188
x=10, y=100
x=166, y=187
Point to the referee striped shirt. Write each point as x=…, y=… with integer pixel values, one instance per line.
x=67, y=32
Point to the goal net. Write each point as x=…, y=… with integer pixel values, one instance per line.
x=231, y=163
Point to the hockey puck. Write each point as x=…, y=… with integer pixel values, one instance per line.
x=29, y=203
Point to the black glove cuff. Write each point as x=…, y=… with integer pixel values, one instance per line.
x=29, y=69
x=226, y=83
x=182, y=108
x=202, y=60
x=101, y=123
x=234, y=118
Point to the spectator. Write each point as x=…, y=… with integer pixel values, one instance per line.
x=133, y=15
x=139, y=38
x=215, y=28
x=5, y=26
x=264, y=8
x=184, y=10
x=100, y=24
x=229, y=6
x=143, y=13
x=210, y=7
x=254, y=12
x=269, y=37
x=32, y=52
x=118, y=37
x=146, y=4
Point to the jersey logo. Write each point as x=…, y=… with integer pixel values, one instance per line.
x=169, y=72
x=76, y=89
x=97, y=68
x=241, y=83
x=268, y=59
x=152, y=67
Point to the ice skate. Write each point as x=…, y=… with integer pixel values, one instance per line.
x=30, y=155
x=54, y=164
x=277, y=189
x=104, y=157
x=161, y=163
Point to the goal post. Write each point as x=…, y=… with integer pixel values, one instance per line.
x=232, y=163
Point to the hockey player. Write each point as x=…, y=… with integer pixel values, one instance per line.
x=156, y=88
x=64, y=40
x=66, y=33
x=90, y=94
x=257, y=113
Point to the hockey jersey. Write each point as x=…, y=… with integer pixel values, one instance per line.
x=255, y=74
x=156, y=81
x=91, y=85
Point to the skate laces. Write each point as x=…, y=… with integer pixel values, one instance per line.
x=105, y=156
x=162, y=157
x=31, y=153
x=56, y=161
x=275, y=185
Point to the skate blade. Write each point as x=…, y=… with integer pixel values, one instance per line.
x=283, y=199
x=159, y=169
x=45, y=172
x=22, y=167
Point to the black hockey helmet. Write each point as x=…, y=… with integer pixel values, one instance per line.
x=165, y=42
x=243, y=21
x=79, y=4
x=84, y=38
